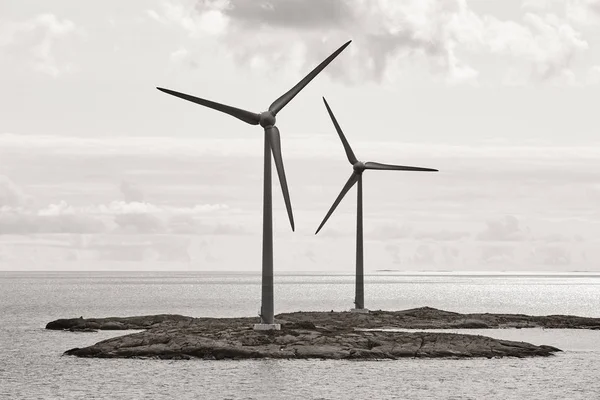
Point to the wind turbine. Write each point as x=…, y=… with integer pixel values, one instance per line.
x=359, y=167
x=266, y=119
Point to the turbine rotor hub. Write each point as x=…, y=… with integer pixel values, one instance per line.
x=359, y=167
x=267, y=119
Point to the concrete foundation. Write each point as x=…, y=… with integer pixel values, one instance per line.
x=267, y=327
x=359, y=310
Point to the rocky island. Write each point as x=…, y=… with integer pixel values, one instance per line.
x=326, y=335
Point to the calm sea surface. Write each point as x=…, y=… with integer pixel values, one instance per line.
x=31, y=365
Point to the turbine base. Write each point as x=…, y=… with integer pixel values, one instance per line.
x=359, y=310
x=267, y=327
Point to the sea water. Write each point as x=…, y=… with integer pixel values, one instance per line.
x=32, y=365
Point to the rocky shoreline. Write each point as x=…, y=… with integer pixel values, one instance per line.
x=326, y=335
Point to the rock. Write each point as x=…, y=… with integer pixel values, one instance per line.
x=470, y=324
x=115, y=323
x=198, y=341
x=417, y=318
x=299, y=325
x=334, y=337
x=328, y=335
x=431, y=318
x=113, y=326
x=81, y=329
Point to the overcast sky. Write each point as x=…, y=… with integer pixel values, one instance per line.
x=99, y=170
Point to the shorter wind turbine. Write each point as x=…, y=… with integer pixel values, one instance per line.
x=359, y=167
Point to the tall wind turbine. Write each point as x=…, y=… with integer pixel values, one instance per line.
x=359, y=167
x=266, y=119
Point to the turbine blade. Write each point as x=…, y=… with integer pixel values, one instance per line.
x=275, y=141
x=283, y=100
x=353, y=179
x=246, y=116
x=349, y=152
x=388, y=167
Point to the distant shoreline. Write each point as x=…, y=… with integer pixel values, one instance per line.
x=379, y=272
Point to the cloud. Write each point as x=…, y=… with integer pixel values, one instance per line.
x=183, y=57
x=138, y=223
x=116, y=218
x=36, y=40
x=390, y=231
x=553, y=255
x=584, y=12
x=424, y=255
x=296, y=13
x=388, y=37
x=547, y=42
x=394, y=251
x=172, y=249
x=500, y=255
x=17, y=222
x=442, y=236
x=122, y=207
x=450, y=255
x=211, y=21
x=188, y=224
x=161, y=248
x=130, y=192
x=129, y=252
x=506, y=229
x=19, y=216
x=11, y=195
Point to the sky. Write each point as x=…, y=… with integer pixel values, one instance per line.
x=101, y=171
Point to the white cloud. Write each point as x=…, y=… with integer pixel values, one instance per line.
x=179, y=55
x=584, y=12
x=19, y=216
x=212, y=21
x=389, y=37
x=547, y=42
x=36, y=40
x=581, y=13
x=122, y=207
x=116, y=217
x=16, y=221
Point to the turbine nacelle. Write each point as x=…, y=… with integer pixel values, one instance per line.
x=266, y=119
x=359, y=167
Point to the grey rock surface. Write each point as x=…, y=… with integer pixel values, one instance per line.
x=326, y=335
x=417, y=318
